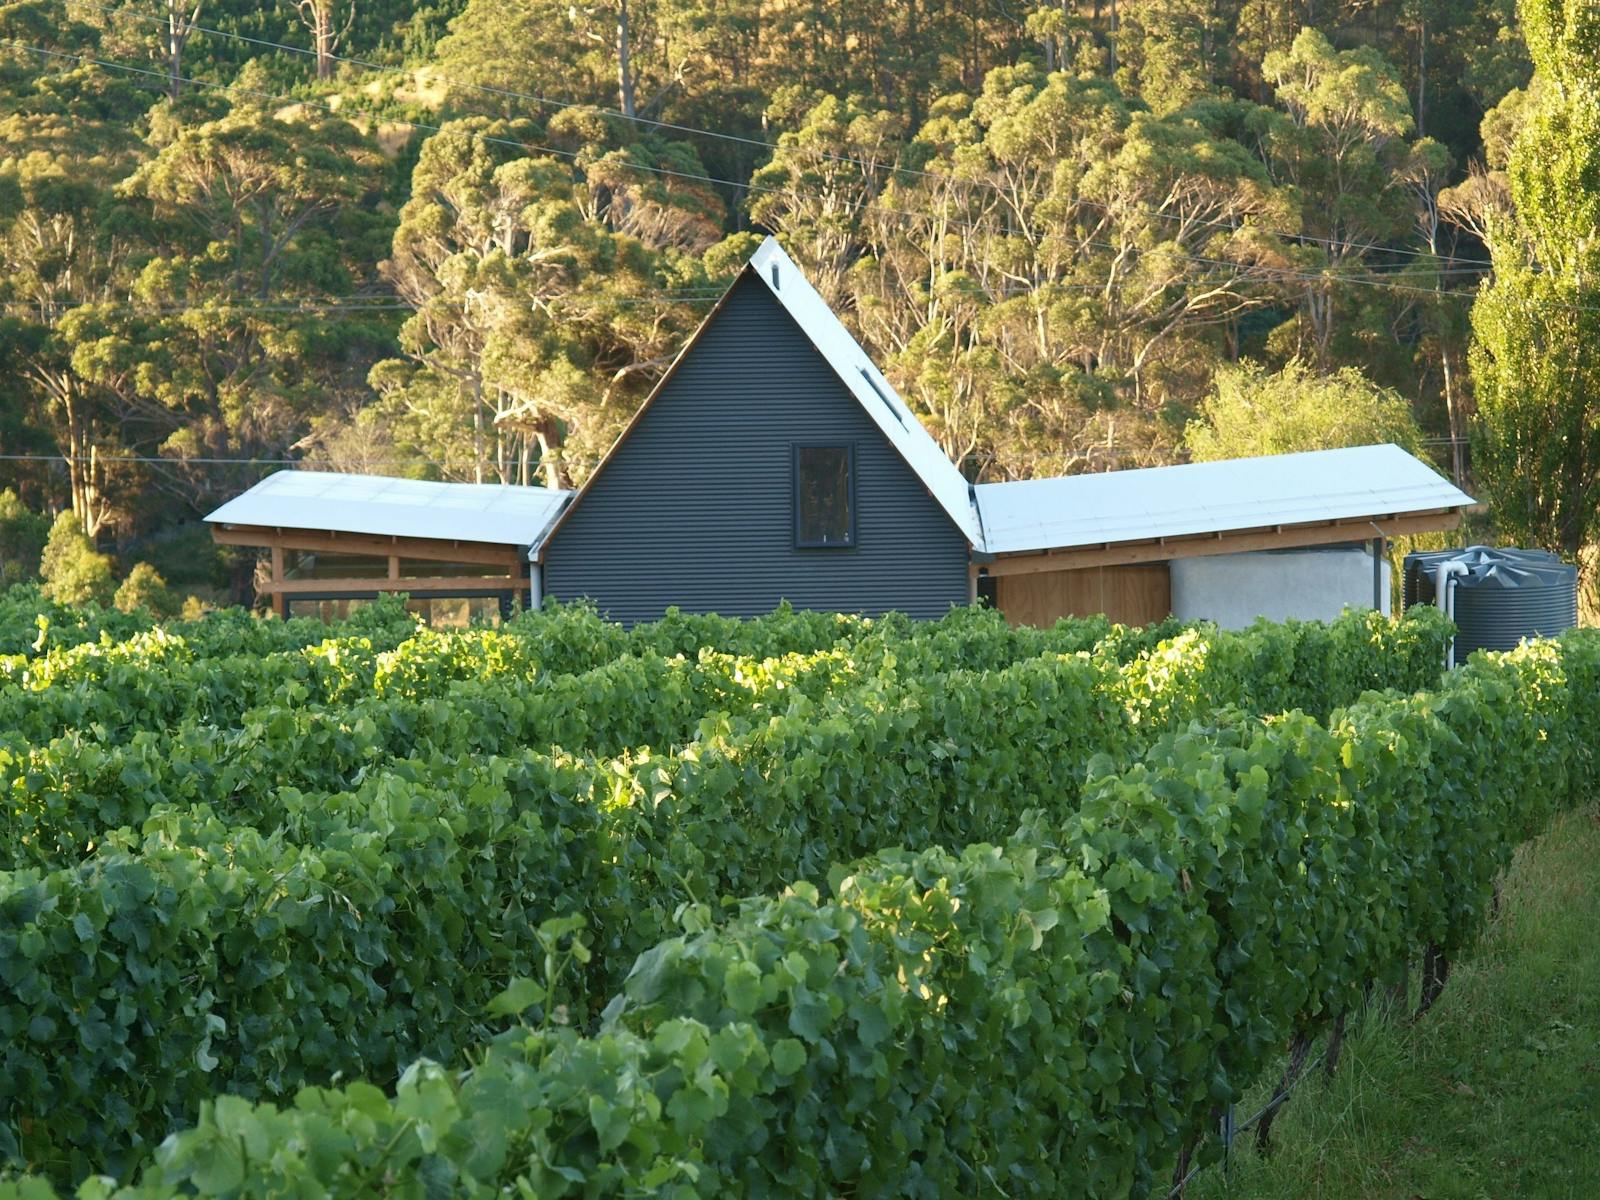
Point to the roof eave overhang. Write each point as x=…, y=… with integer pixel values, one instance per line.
x=290, y=537
x=1223, y=541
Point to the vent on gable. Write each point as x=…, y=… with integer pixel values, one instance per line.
x=774, y=276
x=882, y=395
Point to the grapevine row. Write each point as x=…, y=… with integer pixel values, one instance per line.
x=1057, y=1014
x=841, y=772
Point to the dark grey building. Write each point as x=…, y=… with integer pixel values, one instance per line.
x=772, y=463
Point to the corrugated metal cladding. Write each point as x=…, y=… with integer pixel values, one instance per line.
x=695, y=508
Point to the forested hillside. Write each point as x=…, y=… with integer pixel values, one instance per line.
x=463, y=239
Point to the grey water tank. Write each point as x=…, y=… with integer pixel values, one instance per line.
x=1502, y=597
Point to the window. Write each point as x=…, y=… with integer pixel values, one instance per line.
x=824, y=496
x=318, y=564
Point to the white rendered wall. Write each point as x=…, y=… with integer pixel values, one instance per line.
x=1234, y=589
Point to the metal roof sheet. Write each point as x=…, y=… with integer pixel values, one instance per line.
x=867, y=384
x=1195, y=498
x=377, y=504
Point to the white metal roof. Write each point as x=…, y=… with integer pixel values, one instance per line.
x=867, y=384
x=1195, y=498
x=378, y=504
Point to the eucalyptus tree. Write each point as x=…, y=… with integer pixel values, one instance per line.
x=613, y=53
x=67, y=125
x=1340, y=138
x=1042, y=267
x=262, y=228
x=538, y=316
x=824, y=181
x=58, y=253
x=1252, y=411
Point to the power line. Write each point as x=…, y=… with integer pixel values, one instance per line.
x=290, y=305
x=177, y=462
x=312, y=463
x=201, y=306
x=761, y=143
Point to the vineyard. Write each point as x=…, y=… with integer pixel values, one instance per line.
x=805, y=905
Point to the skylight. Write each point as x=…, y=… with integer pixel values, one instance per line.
x=882, y=395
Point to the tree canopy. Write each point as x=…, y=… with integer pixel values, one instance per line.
x=463, y=239
x=1536, y=327
x=1253, y=411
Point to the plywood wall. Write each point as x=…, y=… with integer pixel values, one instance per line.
x=1135, y=595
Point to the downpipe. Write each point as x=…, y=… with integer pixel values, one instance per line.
x=1444, y=595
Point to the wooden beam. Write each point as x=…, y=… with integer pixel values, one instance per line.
x=278, y=605
x=430, y=549
x=1233, y=542
x=417, y=587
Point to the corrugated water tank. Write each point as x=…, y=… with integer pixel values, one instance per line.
x=1502, y=596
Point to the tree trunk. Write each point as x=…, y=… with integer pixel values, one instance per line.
x=1453, y=420
x=83, y=463
x=549, y=434
x=1422, y=78
x=1299, y=1051
x=94, y=508
x=174, y=54
x=1435, y=971
x=477, y=430
x=1330, y=1059
x=324, y=34
x=318, y=18
x=624, y=63
x=179, y=26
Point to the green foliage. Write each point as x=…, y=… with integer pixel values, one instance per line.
x=73, y=571
x=144, y=588
x=23, y=534
x=533, y=321
x=330, y=855
x=1058, y=1010
x=1536, y=326
x=1514, y=1029
x=1253, y=411
x=1050, y=227
x=187, y=558
x=206, y=953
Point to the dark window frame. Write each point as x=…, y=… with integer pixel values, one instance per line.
x=800, y=542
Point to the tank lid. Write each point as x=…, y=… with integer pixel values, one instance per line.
x=1487, y=566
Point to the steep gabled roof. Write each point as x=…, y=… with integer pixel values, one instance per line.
x=1211, y=497
x=850, y=363
x=866, y=383
x=499, y=514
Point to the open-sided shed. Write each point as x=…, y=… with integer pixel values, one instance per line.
x=459, y=549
